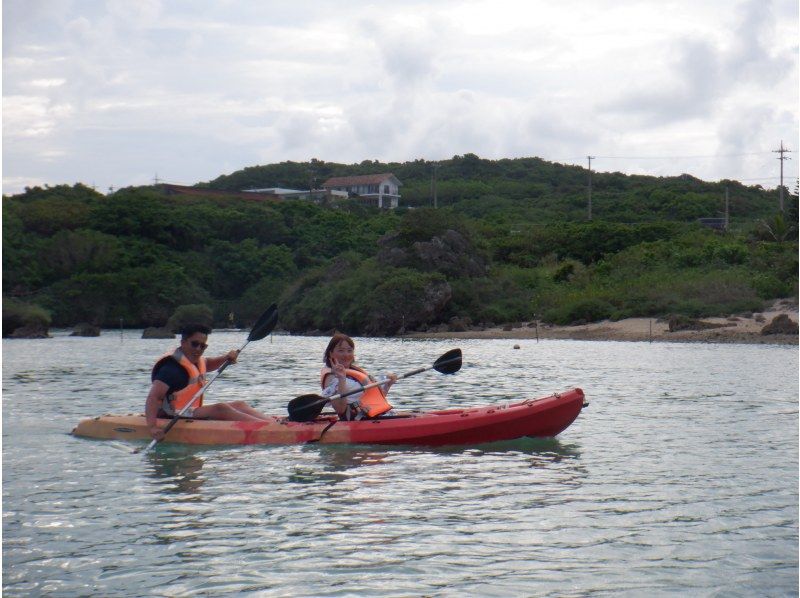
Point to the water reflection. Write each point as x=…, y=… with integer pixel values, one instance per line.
x=650, y=487
x=343, y=458
x=177, y=471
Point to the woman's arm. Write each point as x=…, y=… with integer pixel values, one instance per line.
x=340, y=405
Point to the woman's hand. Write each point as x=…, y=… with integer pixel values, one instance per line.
x=391, y=378
x=232, y=355
x=338, y=370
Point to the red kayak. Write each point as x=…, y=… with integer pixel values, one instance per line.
x=543, y=417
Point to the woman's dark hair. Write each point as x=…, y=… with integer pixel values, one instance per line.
x=337, y=338
x=191, y=329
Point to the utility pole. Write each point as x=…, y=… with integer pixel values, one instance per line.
x=727, y=209
x=590, y=158
x=781, y=151
x=433, y=184
x=156, y=180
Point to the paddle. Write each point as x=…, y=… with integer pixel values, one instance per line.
x=263, y=326
x=307, y=407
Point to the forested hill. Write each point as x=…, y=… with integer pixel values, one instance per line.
x=530, y=188
x=509, y=241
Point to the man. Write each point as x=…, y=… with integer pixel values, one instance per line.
x=179, y=375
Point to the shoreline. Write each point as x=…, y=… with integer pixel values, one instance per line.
x=732, y=329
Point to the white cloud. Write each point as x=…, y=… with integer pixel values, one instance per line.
x=31, y=116
x=119, y=90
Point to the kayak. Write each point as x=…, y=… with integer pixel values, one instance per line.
x=544, y=417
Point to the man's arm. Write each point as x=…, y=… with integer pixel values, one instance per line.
x=213, y=363
x=155, y=398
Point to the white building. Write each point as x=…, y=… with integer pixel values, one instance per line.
x=381, y=190
x=316, y=195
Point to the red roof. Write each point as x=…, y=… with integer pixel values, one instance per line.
x=365, y=179
x=203, y=191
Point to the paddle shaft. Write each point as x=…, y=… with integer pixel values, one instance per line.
x=401, y=377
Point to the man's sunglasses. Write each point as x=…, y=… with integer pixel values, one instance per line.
x=198, y=345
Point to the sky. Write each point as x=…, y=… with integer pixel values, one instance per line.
x=123, y=92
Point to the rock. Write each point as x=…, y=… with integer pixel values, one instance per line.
x=516, y=346
x=153, y=332
x=30, y=332
x=678, y=322
x=781, y=324
x=458, y=324
x=508, y=327
x=760, y=318
x=85, y=329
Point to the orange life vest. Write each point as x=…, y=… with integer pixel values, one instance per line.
x=197, y=378
x=373, y=400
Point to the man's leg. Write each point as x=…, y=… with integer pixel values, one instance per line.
x=224, y=411
x=245, y=408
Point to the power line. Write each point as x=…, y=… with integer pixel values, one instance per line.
x=763, y=178
x=682, y=157
x=688, y=157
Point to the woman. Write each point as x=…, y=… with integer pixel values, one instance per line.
x=341, y=375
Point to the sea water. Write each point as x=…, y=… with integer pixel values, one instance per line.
x=680, y=478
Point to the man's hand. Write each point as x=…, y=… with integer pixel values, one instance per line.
x=157, y=433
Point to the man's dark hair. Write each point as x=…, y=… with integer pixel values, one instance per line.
x=191, y=329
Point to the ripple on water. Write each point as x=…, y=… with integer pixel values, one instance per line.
x=680, y=477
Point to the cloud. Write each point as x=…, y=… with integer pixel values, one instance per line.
x=121, y=89
x=31, y=116
x=706, y=71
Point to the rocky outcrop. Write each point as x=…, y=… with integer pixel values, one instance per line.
x=30, y=332
x=678, y=323
x=450, y=253
x=153, y=332
x=781, y=324
x=458, y=324
x=411, y=312
x=85, y=329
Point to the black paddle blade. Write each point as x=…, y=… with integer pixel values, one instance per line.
x=306, y=408
x=449, y=363
x=265, y=324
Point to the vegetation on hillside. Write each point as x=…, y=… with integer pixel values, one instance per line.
x=510, y=241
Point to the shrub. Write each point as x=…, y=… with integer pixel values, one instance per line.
x=768, y=286
x=17, y=314
x=564, y=272
x=190, y=314
x=589, y=309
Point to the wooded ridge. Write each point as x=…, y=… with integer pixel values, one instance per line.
x=510, y=240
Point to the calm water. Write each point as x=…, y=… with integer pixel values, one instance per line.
x=680, y=478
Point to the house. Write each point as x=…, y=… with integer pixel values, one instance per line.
x=381, y=190
x=315, y=195
x=715, y=223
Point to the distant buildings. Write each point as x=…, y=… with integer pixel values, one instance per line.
x=169, y=189
x=315, y=195
x=380, y=190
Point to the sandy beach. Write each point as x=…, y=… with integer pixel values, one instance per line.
x=736, y=328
